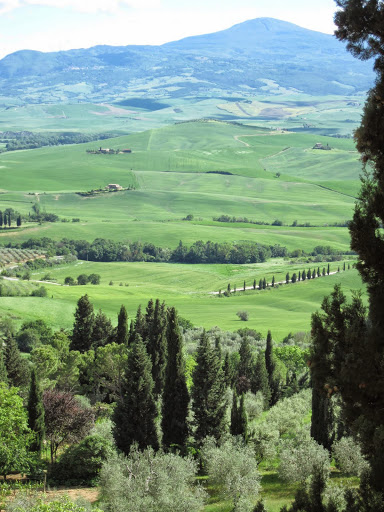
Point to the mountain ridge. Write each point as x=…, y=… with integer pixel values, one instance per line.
x=242, y=56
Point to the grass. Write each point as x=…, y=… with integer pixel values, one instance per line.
x=287, y=308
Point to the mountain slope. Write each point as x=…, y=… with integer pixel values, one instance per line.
x=243, y=57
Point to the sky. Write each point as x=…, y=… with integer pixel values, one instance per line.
x=53, y=25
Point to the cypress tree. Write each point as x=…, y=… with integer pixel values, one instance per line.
x=140, y=324
x=136, y=411
x=122, y=334
x=243, y=419
x=324, y=271
x=344, y=266
x=338, y=269
x=9, y=219
x=227, y=370
x=149, y=314
x=259, y=381
x=303, y=275
x=102, y=332
x=157, y=346
x=260, y=284
x=264, y=283
x=244, y=287
x=309, y=275
x=328, y=269
x=273, y=281
x=17, y=367
x=229, y=288
x=234, y=426
x=254, y=284
x=131, y=335
x=36, y=413
x=314, y=273
x=246, y=359
x=299, y=276
x=81, y=338
x=208, y=392
x=18, y=221
x=1, y=219
x=3, y=368
x=175, y=395
x=294, y=278
x=270, y=363
x=318, y=272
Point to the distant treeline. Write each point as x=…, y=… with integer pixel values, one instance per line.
x=30, y=140
x=199, y=252
x=277, y=222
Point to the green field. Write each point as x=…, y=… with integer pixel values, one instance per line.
x=174, y=172
x=284, y=309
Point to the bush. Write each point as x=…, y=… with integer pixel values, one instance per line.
x=243, y=315
x=82, y=463
x=39, y=292
x=349, y=458
x=233, y=468
x=69, y=281
x=301, y=457
x=150, y=482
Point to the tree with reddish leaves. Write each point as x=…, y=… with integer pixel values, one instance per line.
x=66, y=420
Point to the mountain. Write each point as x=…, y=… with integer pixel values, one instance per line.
x=245, y=57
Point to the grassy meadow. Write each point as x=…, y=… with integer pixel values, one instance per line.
x=205, y=169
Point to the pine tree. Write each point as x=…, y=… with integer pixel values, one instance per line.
x=122, y=334
x=36, y=413
x=81, y=338
x=175, y=395
x=259, y=381
x=157, y=346
x=136, y=411
x=208, y=392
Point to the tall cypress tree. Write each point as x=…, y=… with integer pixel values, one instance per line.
x=149, y=317
x=3, y=368
x=136, y=411
x=175, y=395
x=259, y=381
x=102, y=332
x=270, y=363
x=157, y=346
x=239, y=420
x=81, y=338
x=122, y=335
x=208, y=392
x=17, y=367
x=36, y=413
x=245, y=369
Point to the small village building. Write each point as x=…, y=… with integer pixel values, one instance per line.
x=114, y=186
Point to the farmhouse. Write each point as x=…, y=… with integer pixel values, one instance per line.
x=114, y=186
x=319, y=145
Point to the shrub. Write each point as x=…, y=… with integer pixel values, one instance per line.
x=301, y=457
x=39, y=292
x=150, y=482
x=232, y=466
x=69, y=281
x=82, y=463
x=349, y=458
x=243, y=315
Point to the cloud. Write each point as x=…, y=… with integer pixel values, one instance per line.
x=82, y=5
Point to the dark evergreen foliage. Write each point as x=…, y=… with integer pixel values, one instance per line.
x=16, y=366
x=175, y=395
x=157, y=346
x=36, y=413
x=102, y=332
x=208, y=392
x=122, y=335
x=136, y=411
x=260, y=381
x=81, y=338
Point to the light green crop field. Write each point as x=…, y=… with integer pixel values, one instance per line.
x=286, y=308
x=174, y=172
